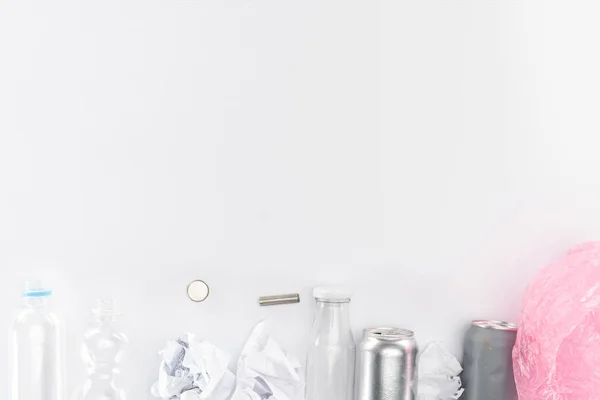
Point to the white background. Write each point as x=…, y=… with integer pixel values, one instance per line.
x=430, y=154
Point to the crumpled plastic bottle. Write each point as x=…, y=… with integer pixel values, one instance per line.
x=103, y=351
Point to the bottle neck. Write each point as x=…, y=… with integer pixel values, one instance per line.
x=104, y=318
x=104, y=311
x=333, y=315
x=34, y=302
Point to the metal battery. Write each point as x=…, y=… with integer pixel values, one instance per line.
x=279, y=299
x=385, y=368
x=487, y=361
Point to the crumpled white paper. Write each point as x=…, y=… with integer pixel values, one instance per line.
x=265, y=371
x=438, y=372
x=193, y=370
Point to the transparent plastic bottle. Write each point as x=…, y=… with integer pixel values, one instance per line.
x=103, y=350
x=36, y=348
x=331, y=354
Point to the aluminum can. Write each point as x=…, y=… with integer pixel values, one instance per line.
x=385, y=367
x=487, y=361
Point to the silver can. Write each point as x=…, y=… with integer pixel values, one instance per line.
x=385, y=367
x=487, y=361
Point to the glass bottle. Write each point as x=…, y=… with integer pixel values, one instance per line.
x=330, y=359
x=103, y=350
x=37, y=357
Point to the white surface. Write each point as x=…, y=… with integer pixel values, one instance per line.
x=429, y=154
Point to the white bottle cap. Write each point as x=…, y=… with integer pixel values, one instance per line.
x=332, y=293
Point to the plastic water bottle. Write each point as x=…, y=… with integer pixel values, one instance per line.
x=37, y=357
x=103, y=350
x=330, y=360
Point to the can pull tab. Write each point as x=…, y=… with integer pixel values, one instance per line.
x=390, y=333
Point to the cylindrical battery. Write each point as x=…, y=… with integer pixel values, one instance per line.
x=279, y=299
x=385, y=368
x=487, y=361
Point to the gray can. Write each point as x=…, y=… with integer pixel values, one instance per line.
x=385, y=367
x=487, y=361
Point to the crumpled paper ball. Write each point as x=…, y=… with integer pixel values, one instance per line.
x=191, y=369
x=557, y=353
x=438, y=372
x=266, y=371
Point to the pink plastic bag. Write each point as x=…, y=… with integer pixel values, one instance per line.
x=557, y=353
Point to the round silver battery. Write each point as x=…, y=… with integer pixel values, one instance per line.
x=385, y=368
